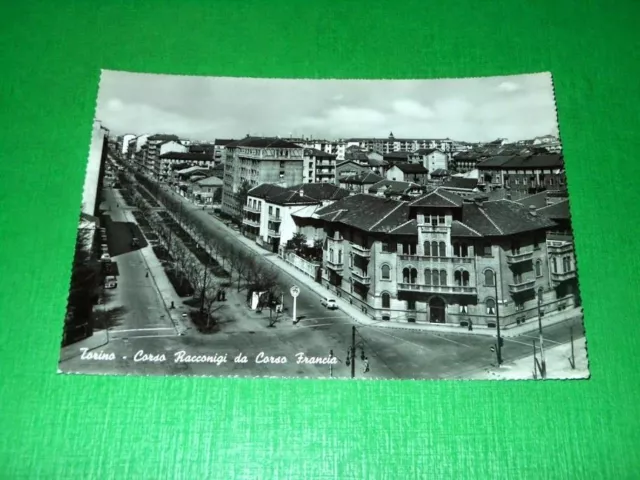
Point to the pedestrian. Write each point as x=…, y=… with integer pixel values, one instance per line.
x=470, y=325
x=146, y=274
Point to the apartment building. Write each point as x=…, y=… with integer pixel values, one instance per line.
x=319, y=167
x=440, y=259
x=151, y=152
x=268, y=212
x=530, y=173
x=408, y=172
x=253, y=161
x=430, y=158
x=392, y=144
x=168, y=161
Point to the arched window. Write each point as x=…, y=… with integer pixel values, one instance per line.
x=427, y=276
x=489, y=278
x=434, y=249
x=427, y=249
x=566, y=264
x=443, y=249
x=554, y=264
x=443, y=277
x=457, y=278
x=490, y=305
x=405, y=275
x=538, y=268
x=414, y=275
x=435, y=278
x=465, y=278
x=386, y=272
x=386, y=300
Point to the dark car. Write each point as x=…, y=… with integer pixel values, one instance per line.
x=135, y=242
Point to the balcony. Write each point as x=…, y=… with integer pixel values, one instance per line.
x=335, y=265
x=445, y=289
x=558, y=243
x=360, y=250
x=250, y=222
x=523, y=286
x=559, y=277
x=361, y=277
x=422, y=258
x=428, y=228
x=273, y=218
x=273, y=233
x=248, y=208
x=515, y=258
x=320, y=173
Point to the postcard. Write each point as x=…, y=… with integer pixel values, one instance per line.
x=325, y=229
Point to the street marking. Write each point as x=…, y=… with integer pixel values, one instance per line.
x=545, y=339
x=319, y=325
x=323, y=318
x=149, y=336
x=507, y=339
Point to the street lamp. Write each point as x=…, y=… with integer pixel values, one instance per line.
x=498, y=347
x=351, y=355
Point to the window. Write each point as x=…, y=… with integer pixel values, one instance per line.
x=554, y=264
x=517, y=278
x=385, y=247
x=566, y=264
x=427, y=249
x=339, y=256
x=434, y=249
x=270, y=210
x=490, y=305
x=441, y=219
x=435, y=278
x=277, y=213
x=461, y=278
x=350, y=260
x=536, y=242
x=443, y=277
x=515, y=248
x=486, y=250
x=443, y=249
x=489, y=278
x=538, y=268
x=331, y=255
x=519, y=306
x=464, y=309
x=386, y=300
x=386, y=272
x=427, y=276
x=411, y=304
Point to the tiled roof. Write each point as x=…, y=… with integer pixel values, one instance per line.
x=558, y=210
x=162, y=136
x=538, y=200
x=186, y=156
x=367, y=212
x=459, y=229
x=210, y=182
x=356, y=155
x=377, y=163
x=223, y=142
x=191, y=170
x=437, y=198
x=461, y=182
x=424, y=151
x=266, y=189
x=411, y=168
x=548, y=160
x=317, y=153
x=440, y=172
x=365, y=178
x=262, y=142
x=392, y=186
x=396, y=156
x=321, y=191
x=503, y=217
x=408, y=228
x=497, y=161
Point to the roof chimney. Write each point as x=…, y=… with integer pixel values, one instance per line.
x=301, y=192
x=532, y=210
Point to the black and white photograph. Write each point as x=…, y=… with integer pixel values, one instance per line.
x=325, y=229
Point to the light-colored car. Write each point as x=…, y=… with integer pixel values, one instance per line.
x=104, y=248
x=110, y=284
x=329, y=303
x=110, y=281
x=105, y=257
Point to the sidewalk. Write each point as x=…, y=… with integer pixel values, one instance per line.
x=97, y=340
x=160, y=280
x=358, y=316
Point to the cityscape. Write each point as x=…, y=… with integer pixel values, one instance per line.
x=325, y=229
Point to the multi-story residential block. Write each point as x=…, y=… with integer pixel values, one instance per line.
x=430, y=158
x=253, y=161
x=167, y=162
x=440, y=259
x=124, y=144
x=172, y=146
x=269, y=209
x=151, y=152
x=392, y=144
x=335, y=148
x=318, y=167
x=408, y=172
x=349, y=168
x=218, y=150
x=531, y=173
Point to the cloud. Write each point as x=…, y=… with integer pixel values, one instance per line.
x=412, y=109
x=508, y=87
x=115, y=105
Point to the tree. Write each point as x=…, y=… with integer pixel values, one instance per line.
x=217, y=196
x=318, y=245
x=297, y=242
x=241, y=196
x=240, y=263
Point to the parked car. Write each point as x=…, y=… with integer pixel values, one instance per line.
x=105, y=257
x=110, y=284
x=135, y=242
x=104, y=248
x=110, y=281
x=329, y=303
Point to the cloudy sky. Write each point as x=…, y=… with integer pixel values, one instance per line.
x=205, y=108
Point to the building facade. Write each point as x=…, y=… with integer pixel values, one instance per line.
x=319, y=167
x=167, y=162
x=393, y=144
x=253, y=161
x=430, y=158
x=530, y=174
x=438, y=259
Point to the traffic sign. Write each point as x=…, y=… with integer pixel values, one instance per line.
x=295, y=291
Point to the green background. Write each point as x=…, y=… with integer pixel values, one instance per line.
x=68, y=427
